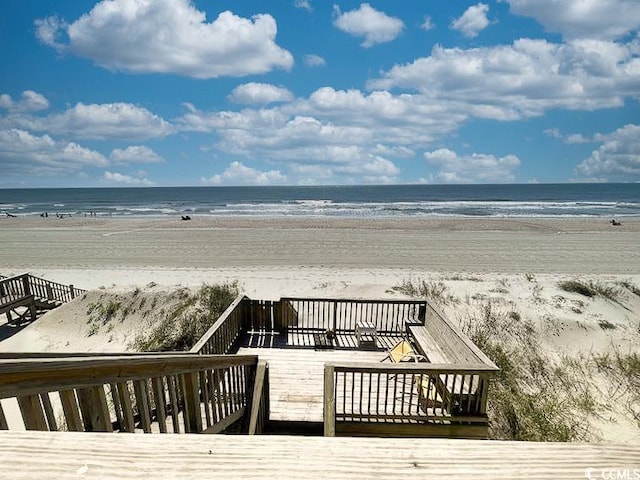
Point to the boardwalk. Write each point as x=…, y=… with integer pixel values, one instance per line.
x=37, y=455
x=296, y=378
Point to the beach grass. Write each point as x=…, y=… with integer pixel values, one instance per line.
x=184, y=325
x=531, y=397
x=592, y=289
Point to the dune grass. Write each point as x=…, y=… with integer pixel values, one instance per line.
x=183, y=326
x=433, y=290
x=531, y=398
x=592, y=289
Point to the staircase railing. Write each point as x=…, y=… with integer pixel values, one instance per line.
x=179, y=393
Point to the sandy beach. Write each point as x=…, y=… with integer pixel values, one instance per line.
x=567, y=246
x=513, y=265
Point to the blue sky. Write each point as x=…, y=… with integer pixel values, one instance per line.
x=180, y=92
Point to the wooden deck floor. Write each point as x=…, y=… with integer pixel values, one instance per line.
x=296, y=378
x=35, y=455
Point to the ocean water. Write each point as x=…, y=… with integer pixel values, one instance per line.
x=389, y=201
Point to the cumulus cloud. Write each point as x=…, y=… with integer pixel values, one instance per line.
x=472, y=21
x=313, y=60
x=602, y=19
x=523, y=79
x=24, y=153
x=366, y=21
x=474, y=168
x=617, y=158
x=337, y=132
x=119, y=178
x=168, y=36
x=29, y=101
x=98, y=121
x=135, y=154
x=238, y=174
x=260, y=94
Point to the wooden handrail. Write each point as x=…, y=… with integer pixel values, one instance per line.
x=201, y=393
x=224, y=332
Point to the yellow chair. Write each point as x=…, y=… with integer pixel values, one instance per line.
x=403, y=351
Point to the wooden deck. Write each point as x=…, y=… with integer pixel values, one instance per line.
x=296, y=379
x=35, y=455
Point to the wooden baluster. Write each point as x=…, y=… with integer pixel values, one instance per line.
x=204, y=388
x=3, y=419
x=48, y=411
x=124, y=396
x=160, y=401
x=173, y=401
x=32, y=413
x=116, y=404
x=71, y=412
x=142, y=401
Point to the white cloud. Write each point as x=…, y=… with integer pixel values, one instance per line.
x=524, y=79
x=24, y=153
x=115, y=177
x=313, y=60
x=474, y=168
x=427, y=24
x=603, y=19
x=98, y=121
x=30, y=101
x=169, y=36
x=339, y=132
x=238, y=174
x=135, y=154
x=617, y=158
x=304, y=4
x=260, y=94
x=366, y=21
x=472, y=21
x=567, y=138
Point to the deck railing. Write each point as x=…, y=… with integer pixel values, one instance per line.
x=24, y=286
x=365, y=398
x=224, y=333
x=200, y=393
x=14, y=289
x=339, y=315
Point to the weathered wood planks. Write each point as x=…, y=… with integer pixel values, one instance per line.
x=35, y=455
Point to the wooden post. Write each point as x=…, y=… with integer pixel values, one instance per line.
x=25, y=285
x=95, y=411
x=193, y=417
x=73, y=291
x=49, y=292
x=329, y=401
x=32, y=413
